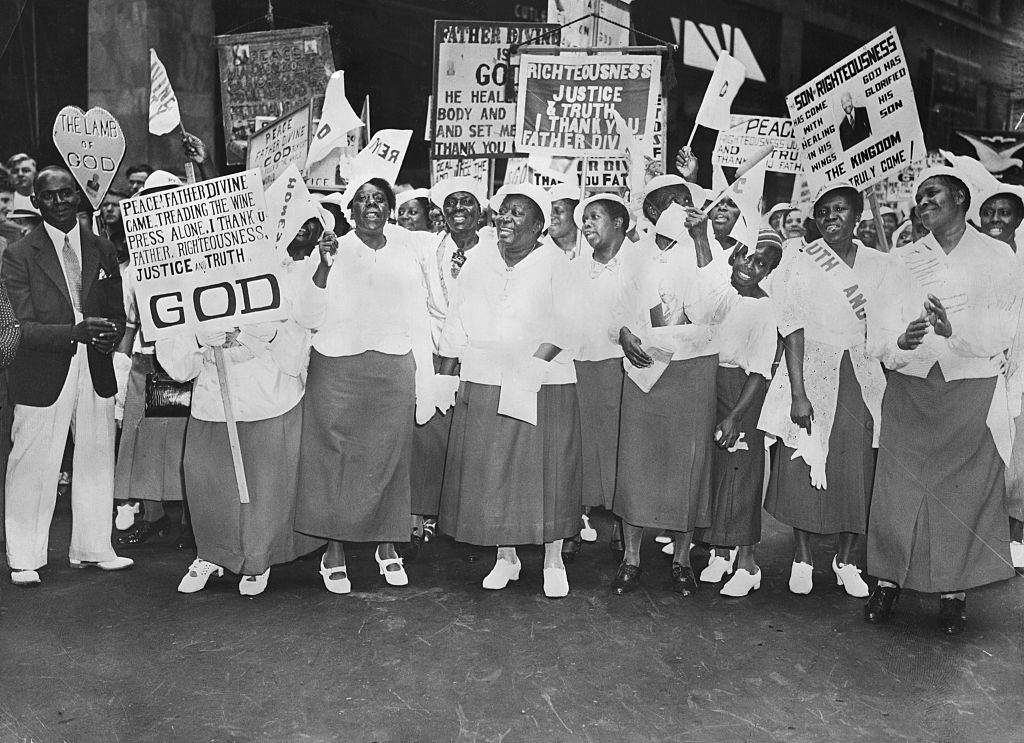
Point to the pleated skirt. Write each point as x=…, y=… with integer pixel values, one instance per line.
x=1015, y=474
x=507, y=482
x=849, y=471
x=599, y=391
x=149, y=456
x=737, y=478
x=246, y=538
x=938, y=522
x=354, y=467
x=663, y=478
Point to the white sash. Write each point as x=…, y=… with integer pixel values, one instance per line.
x=840, y=274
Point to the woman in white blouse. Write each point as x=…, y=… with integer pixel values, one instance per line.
x=564, y=230
x=747, y=341
x=596, y=284
x=264, y=363
x=951, y=309
x=823, y=404
x=369, y=367
x=512, y=475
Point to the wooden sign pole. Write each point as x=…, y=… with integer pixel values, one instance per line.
x=882, y=239
x=225, y=396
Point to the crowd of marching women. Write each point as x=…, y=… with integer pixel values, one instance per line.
x=493, y=367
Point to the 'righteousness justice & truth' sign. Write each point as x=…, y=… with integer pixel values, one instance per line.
x=858, y=120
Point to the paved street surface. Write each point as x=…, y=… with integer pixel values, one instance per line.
x=102, y=657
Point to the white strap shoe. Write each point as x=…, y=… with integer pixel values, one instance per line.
x=587, y=533
x=556, y=583
x=393, y=577
x=254, y=585
x=741, y=583
x=502, y=572
x=718, y=567
x=198, y=573
x=118, y=563
x=848, y=576
x=333, y=584
x=800, y=580
x=25, y=578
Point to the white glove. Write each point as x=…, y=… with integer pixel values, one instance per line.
x=211, y=339
x=530, y=374
x=262, y=331
x=446, y=387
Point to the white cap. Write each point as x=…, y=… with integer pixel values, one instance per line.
x=578, y=211
x=410, y=194
x=536, y=194
x=564, y=191
x=160, y=180
x=697, y=194
x=782, y=206
x=448, y=186
x=24, y=212
x=979, y=199
x=829, y=188
x=947, y=171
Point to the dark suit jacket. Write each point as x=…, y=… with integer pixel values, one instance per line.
x=849, y=135
x=42, y=304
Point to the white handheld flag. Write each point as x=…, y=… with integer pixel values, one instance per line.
x=746, y=193
x=289, y=206
x=725, y=82
x=164, y=116
x=337, y=119
x=381, y=158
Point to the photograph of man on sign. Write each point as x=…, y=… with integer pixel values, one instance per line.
x=854, y=126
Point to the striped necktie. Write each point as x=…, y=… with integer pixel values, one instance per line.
x=73, y=269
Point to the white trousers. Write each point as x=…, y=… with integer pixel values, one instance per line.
x=33, y=470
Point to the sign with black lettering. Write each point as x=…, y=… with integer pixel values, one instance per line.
x=748, y=135
x=858, y=121
x=474, y=83
x=92, y=144
x=267, y=73
x=565, y=103
x=202, y=256
x=273, y=148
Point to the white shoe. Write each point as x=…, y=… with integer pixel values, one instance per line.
x=663, y=538
x=741, y=583
x=669, y=548
x=393, y=577
x=198, y=573
x=125, y=515
x=335, y=585
x=587, y=533
x=254, y=585
x=118, y=563
x=556, y=583
x=848, y=576
x=1017, y=554
x=502, y=572
x=800, y=580
x=718, y=567
x=25, y=578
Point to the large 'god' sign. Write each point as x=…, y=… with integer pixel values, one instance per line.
x=202, y=256
x=857, y=121
x=92, y=144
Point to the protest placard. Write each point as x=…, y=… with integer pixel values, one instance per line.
x=282, y=143
x=266, y=74
x=202, y=256
x=565, y=103
x=474, y=116
x=857, y=121
x=92, y=144
x=289, y=205
x=478, y=168
x=748, y=134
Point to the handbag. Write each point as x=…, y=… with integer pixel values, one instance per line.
x=166, y=397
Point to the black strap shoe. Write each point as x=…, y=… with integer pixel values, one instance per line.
x=952, y=615
x=881, y=604
x=139, y=532
x=627, y=578
x=683, y=581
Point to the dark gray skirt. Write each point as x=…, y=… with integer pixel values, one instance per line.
x=664, y=465
x=507, y=482
x=149, y=456
x=245, y=538
x=354, y=482
x=429, y=448
x=737, y=477
x=849, y=470
x=599, y=391
x=937, y=520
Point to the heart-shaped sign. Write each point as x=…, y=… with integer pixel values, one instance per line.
x=92, y=144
